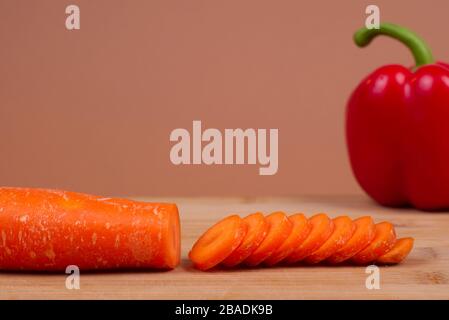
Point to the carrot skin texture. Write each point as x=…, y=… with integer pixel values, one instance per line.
x=47, y=230
x=384, y=239
x=322, y=228
x=300, y=231
x=363, y=235
x=398, y=253
x=257, y=230
x=279, y=228
x=343, y=231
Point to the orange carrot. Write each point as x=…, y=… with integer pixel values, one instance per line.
x=313, y=240
x=257, y=230
x=300, y=231
x=344, y=229
x=322, y=228
x=279, y=228
x=399, y=252
x=362, y=236
x=48, y=230
x=384, y=240
x=218, y=242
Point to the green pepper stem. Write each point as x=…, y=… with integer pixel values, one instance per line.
x=421, y=52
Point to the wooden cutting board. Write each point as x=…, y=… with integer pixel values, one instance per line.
x=425, y=274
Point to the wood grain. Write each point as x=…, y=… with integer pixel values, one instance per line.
x=424, y=275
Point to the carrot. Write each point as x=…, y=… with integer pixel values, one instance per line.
x=343, y=231
x=279, y=228
x=399, y=252
x=362, y=236
x=300, y=231
x=384, y=240
x=47, y=230
x=322, y=228
x=296, y=238
x=257, y=230
x=218, y=242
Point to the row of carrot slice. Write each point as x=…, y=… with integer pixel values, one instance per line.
x=278, y=238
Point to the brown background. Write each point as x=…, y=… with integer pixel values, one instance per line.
x=92, y=110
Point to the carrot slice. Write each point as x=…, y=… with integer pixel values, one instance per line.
x=384, y=240
x=257, y=230
x=398, y=253
x=218, y=242
x=363, y=235
x=279, y=228
x=300, y=231
x=343, y=231
x=322, y=228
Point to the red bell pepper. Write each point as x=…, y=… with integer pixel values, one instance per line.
x=397, y=127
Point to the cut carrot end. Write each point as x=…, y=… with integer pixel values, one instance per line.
x=343, y=231
x=279, y=228
x=322, y=228
x=171, y=245
x=384, y=239
x=257, y=230
x=398, y=253
x=300, y=230
x=218, y=242
x=362, y=236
